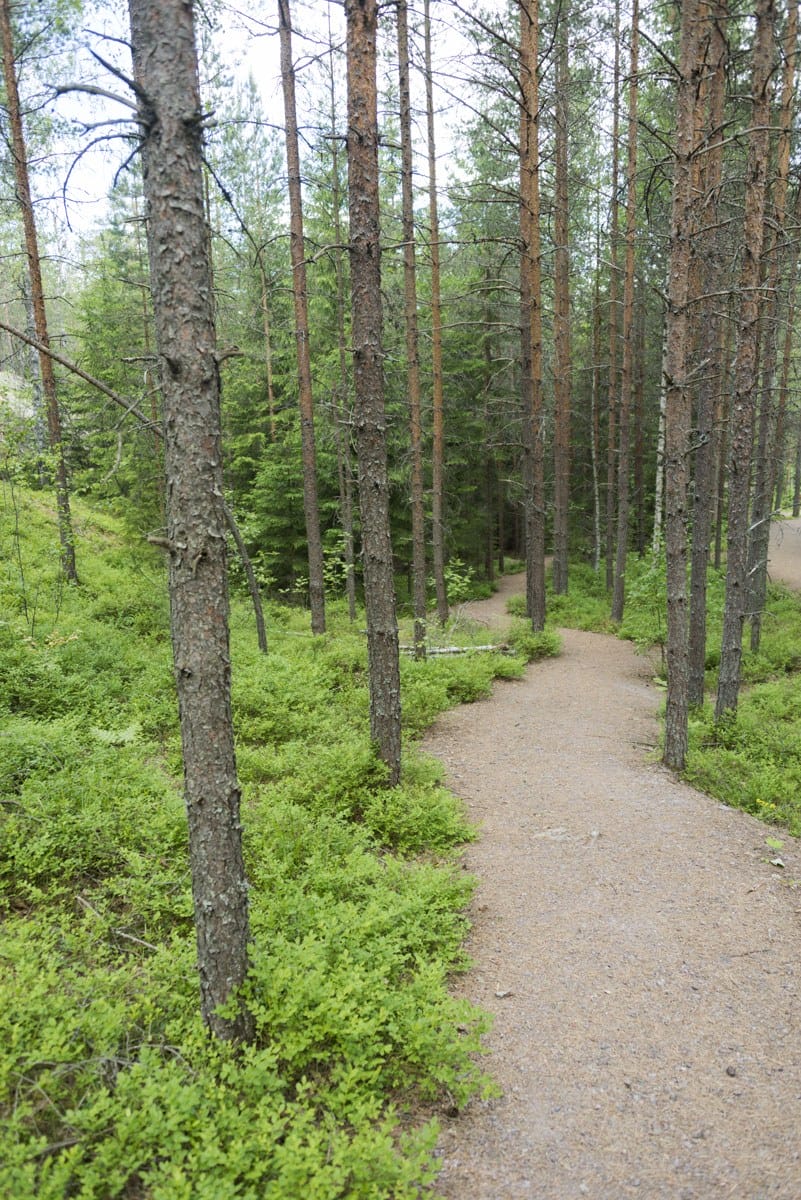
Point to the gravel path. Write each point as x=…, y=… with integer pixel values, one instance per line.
x=637, y=946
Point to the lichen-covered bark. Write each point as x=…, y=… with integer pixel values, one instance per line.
x=165, y=69
x=368, y=378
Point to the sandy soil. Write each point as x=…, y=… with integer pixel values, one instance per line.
x=635, y=942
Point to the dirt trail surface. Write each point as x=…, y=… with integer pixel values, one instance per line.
x=639, y=950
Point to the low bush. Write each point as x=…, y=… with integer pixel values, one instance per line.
x=109, y=1086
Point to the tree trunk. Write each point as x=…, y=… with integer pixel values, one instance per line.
x=612, y=396
x=768, y=420
x=437, y=400
x=797, y=468
x=745, y=367
x=412, y=350
x=627, y=369
x=343, y=420
x=787, y=357
x=710, y=276
x=722, y=422
x=595, y=395
x=678, y=400
x=659, y=485
x=299, y=295
x=531, y=314
x=639, y=425
x=170, y=117
x=268, y=350
x=19, y=155
x=369, y=417
x=562, y=390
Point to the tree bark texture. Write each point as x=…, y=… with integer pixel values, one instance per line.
x=746, y=364
x=710, y=273
x=787, y=358
x=48, y=379
x=612, y=393
x=369, y=416
x=412, y=340
x=678, y=397
x=301, y=306
x=343, y=436
x=437, y=395
x=165, y=70
x=562, y=370
x=767, y=443
x=531, y=313
x=627, y=367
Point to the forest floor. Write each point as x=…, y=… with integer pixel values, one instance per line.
x=636, y=941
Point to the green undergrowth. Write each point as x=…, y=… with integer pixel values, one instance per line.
x=109, y=1086
x=752, y=760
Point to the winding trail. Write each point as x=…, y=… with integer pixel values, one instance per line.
x=639, y=950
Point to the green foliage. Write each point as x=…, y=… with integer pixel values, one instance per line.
x=585, y=606
x=753, y=760
x=533, y=646
x=109, y=1087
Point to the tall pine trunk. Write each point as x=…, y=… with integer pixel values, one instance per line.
x=612, y=384
x=627, y=368
x=300, y=297
x=368, y=379
x=412, y=341
x=22, y=184
x=170, y=119
x=342, y=416
x=746, y=365
x=678, y=399
x=562, y=389
x=437, y=395
x=710, y=275
x=777, y=234
x=531, y=318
